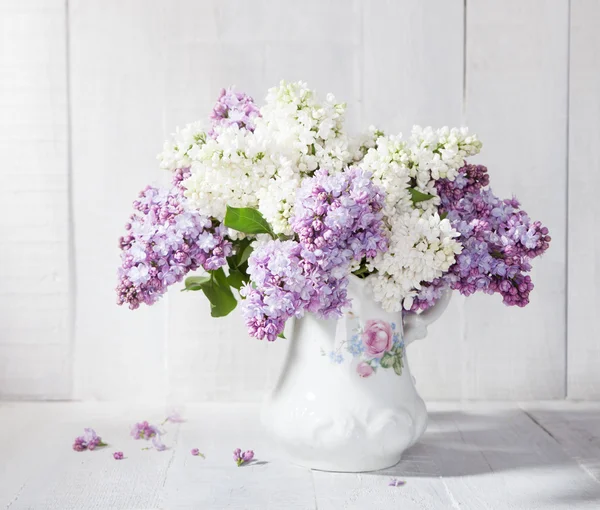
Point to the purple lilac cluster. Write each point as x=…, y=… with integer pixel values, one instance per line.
x=340, y=214
x=242, y=458
x=499, y=241
x=165, y=241
x=233, y=108
x=89, y=441
x=337, y=220
x=180, y=175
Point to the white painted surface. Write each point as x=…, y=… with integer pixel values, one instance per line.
x=35, y=298
x=584, y=179
x=474, y=457
x=516, y=100
x=138, y=69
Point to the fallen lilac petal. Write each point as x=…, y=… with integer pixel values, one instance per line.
x=118, y=455
x=158, y=444
x=248, y=456
x=394, y=482
x=174, y=417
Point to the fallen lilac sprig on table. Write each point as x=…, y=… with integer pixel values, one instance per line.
x=118, y=455
x=143, y=430
x=89, y=441
x=196, y=453
x=242, y=458
x=394, y=482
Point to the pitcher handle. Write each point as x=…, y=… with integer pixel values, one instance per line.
x=415, y=324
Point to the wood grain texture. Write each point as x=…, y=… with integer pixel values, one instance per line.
x=475, y=457
x=403, y=62
x=584, y=179
x=35, y=325
x=117, y=90
x=516, y=100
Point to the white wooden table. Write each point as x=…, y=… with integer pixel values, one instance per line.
x=473, y=456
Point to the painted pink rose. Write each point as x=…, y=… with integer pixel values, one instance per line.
x=377, y=338
x=364, y=369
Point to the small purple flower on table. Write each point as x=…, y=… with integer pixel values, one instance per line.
x=89, y=441
x=196, y=453
x=394, y=482
x=242, y=458
x=143, y=430
x=118, y=455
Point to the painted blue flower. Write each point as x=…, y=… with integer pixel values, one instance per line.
x=355, y=346
x=393, y=324
x=335, y=357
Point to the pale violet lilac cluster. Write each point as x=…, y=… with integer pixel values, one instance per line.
x=165, y=241
x=340, y=215
x=338, y=222
x=233, y=108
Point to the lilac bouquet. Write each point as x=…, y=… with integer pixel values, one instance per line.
x=278, y=206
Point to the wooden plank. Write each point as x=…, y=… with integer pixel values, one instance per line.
x=61, y=478
x=117, y=91
x=471, y=457
x=475, y=457
x=34, y=202
x=412, y=73
x=575, y=427
x=516, y=88
x=584, y=178
x=215, y=482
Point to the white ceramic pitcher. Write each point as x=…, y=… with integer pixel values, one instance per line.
x=345, y=399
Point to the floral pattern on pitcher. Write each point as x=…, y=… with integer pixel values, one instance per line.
x=376, y=344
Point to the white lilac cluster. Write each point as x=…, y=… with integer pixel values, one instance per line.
x=294, y=135
x=422, y=246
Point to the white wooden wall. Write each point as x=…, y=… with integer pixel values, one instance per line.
x=89, y=89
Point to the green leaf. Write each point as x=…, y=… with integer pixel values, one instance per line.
x=398, y=365
x=247, y=220
x=444, y=215
x=236, y=278
x=418, y=196
x=218, y=292
x=281, y=335
x=245, y=254
x=387, y=360
x=195, y=282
